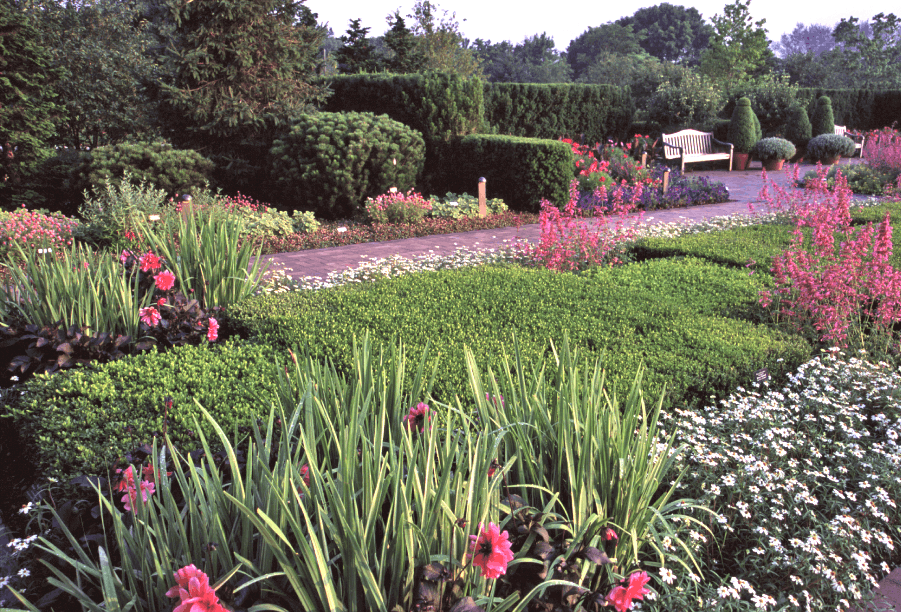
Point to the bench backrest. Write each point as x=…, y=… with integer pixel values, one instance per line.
x=693, y=142
x=840, y=130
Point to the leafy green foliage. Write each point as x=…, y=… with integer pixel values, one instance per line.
x=406, y=54
x=862, y=178
x=640, y=72
x=171, y=170
x=27, y=108
x=774, y=148
x=111, y=210
x=442, y=45
x=534, y=60
x=743, y=127
x=104, y=49
x=686, y=341
x=357, y=54
x=82, y=420
x=823, y=120
x=585, y=49
x=691, y=101
x=739, y=48
x=670, y=33
x=798, y=129
x=772, y=99
x=331, y=162
x=827, y=146
x=520, y=171
x=869, y=61
x=456, y=206
x=552, y=110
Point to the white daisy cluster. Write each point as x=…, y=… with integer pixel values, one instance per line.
x=805, y=482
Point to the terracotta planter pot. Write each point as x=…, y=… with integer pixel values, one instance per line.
x=741, y=161
x=772, y=165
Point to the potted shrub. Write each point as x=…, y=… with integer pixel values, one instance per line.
x=772, y=152
x=799, y=131
x=828, y=148
x=743, y=133
x=823, y=120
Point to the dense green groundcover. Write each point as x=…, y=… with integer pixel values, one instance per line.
x=689, y=321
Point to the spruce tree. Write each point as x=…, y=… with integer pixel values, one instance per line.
x=357, y=55
x=27, y=108
x=399, y=39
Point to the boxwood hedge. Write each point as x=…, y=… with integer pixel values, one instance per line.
x=81, y=421
x=628, y=315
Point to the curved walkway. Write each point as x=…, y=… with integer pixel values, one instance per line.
x=744, y=188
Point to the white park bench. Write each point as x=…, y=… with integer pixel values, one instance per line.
x=842, y=130
x=691, y=146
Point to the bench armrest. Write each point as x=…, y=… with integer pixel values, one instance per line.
x=723, y=144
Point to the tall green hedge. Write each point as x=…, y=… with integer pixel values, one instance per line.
x=552, y=110
x=861, y=109
x=520, y=171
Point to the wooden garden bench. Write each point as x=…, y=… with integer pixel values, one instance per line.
x=690, y=146
x=842, y=130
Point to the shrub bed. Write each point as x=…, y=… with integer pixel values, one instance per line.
x=79, y=422
x=695, y=349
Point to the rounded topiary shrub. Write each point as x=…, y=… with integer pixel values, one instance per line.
x=768, y=149
x=157, y=163
x=829, y=146
x=823, y=121
x=744, y=128
x=798, y=129
x=331, y=162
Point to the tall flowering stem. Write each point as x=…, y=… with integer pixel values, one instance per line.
x=572, y=241
x=834, y=278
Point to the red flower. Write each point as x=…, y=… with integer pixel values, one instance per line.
x=492, y=551
x=609, y=534
x=305, y=474
x=150, y=316
x=418, y=417
x=635, y=589
x=183, y=576
x=165, y=280
x=149, y=261
x=620, y=599
x=213, y=332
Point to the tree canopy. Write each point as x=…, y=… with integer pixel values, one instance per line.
x=534, y=60
x=670, y=33
x=585, y=49
x=357, y=53
x=739, y=48
x=442, y=46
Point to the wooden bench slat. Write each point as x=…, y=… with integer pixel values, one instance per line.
x=695, y=146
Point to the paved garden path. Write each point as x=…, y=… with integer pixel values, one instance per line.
x=744, y=188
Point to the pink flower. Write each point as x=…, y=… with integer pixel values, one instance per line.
x=305, y=474
x=197, y=595
x=492, y=551
x=165, y=280
x=150, y=316
x=183, y=577
x=131, y=495
x=620, y=599
x=609, y=534
x=149, y=261
x=418, y=416
x=161, y=302
x=635, y=589
x=213, y=331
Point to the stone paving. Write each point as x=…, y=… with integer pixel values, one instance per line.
x=744, y=188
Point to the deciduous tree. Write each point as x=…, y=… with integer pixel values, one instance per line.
x=670, y=33
x=593, y=42
x=440, y=41
x=738, y=48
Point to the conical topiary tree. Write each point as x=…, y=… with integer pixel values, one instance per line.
x=798, y=129
x=744, y=127
x=823, y=121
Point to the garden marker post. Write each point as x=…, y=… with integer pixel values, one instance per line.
x=665, y=180
x=483, y=206
x=187, y=207
x=644, y=160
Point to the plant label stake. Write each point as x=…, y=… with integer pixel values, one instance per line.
x=483, y=205
x=665, y=181
x=187, y=208
x=644, y=160
x=762, y=375
x=153, y=217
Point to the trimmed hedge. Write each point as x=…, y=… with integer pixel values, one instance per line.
x=520, y=171
x=587, y=113
x=82, y=420
x=157, y=163
x=666, y=315
x=858, y=109
x=332, y=162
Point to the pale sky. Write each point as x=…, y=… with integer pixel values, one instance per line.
x=498, y=20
